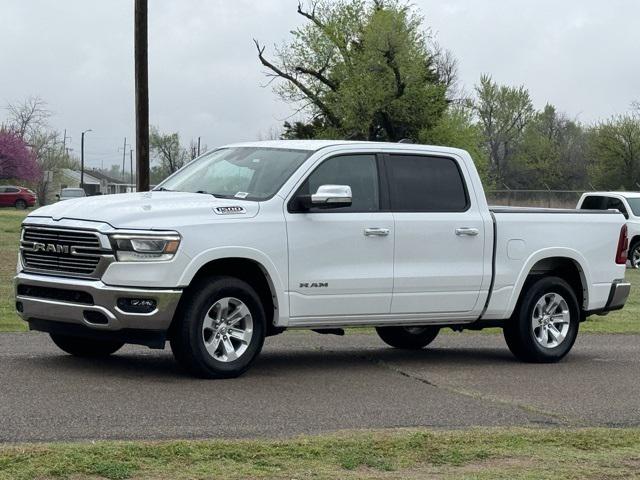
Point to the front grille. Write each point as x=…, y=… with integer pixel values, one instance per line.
x=58, y=250
x=75, y=238
x=50, y=293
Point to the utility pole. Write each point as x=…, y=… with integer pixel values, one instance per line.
x=198, y=146
x=82, y=158
x=131, y=167
x=64, y=142
x=142, y=95
x=124, y=155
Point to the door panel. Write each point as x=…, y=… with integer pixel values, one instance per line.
x=341, y=259
x=437, y=271
x=335, y=269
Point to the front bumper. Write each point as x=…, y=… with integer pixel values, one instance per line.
x=91, y=304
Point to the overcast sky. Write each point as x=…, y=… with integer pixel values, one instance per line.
x=581, y=55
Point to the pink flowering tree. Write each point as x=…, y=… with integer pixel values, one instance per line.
x=17, y=160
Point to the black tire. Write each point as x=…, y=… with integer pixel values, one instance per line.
x=187, y=337
x=519, y=329
x=20, y=204
x=86, y=347
x=634, y=246
x=408, y=338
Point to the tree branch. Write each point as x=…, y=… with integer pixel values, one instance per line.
x=319, y=76
x=302, y=87
x=390, y=57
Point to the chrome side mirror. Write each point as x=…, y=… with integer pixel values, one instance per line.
x=332, y=196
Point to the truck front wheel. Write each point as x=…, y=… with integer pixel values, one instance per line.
x=85, y=347
x=221, y=330
x=409, y=338
x=544, y=325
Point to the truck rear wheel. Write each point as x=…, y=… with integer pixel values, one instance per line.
x=410, y=338
x=85, y=347
x=544, y=325
x=222, y=329
x=634, y=255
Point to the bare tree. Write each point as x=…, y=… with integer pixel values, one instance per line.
x=28, y=117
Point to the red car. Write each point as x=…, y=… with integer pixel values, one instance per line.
x=18, y=197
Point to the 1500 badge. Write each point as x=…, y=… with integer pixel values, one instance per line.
x=232, y=210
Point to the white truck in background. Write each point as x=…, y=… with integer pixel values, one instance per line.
x=627, y=203
x=252, y=239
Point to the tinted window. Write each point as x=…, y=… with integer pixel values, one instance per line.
x=616, y=204
x=2, y=189
x=634, y=204
x=11, y=190
x=593, y=202
x=426, y=184
x=360, y=172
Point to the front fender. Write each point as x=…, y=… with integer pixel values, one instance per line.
x=248, y=253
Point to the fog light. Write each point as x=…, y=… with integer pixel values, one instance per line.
x=137, y=305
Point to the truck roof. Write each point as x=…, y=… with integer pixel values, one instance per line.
x=623, y=194
x=314, y=145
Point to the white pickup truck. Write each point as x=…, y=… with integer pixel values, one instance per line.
x=252, y=239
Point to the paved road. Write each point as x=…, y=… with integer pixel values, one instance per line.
x=309, y=383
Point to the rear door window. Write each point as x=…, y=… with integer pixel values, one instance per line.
x=426, y=184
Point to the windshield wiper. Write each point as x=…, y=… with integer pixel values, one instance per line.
x=162, y=189
x=216, y=195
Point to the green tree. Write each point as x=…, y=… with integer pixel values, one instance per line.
x=167, y=151
x=614, y=152
x=504, y=113
x=551, y=154
x=362, y=69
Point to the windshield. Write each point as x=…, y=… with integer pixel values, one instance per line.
x=634, y=203
x=248, y=173
x=72, y=193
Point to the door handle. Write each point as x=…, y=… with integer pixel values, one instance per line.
x=376, y=232
x=467, y=232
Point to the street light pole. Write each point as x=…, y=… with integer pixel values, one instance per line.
x=82, y=158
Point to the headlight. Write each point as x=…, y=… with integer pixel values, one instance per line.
x=145, y=248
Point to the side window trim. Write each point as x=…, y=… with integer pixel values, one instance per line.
x=388, y=159
x=382, y=197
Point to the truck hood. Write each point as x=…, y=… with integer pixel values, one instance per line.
x=149, y=210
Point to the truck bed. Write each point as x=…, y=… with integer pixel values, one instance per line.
x=501, y=209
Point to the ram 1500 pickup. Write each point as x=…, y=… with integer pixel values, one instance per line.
x=252, y=239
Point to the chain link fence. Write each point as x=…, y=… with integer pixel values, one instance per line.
x=534, y=198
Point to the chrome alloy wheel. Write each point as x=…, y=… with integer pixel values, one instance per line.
x=227, y=329
x=634, y=258
x=550, y=320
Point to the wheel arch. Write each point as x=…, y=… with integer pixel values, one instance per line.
x=563, y=263
x=247, y=265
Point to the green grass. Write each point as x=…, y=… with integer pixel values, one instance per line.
x=623, y=321
x=479, y=454
x=10, y=220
